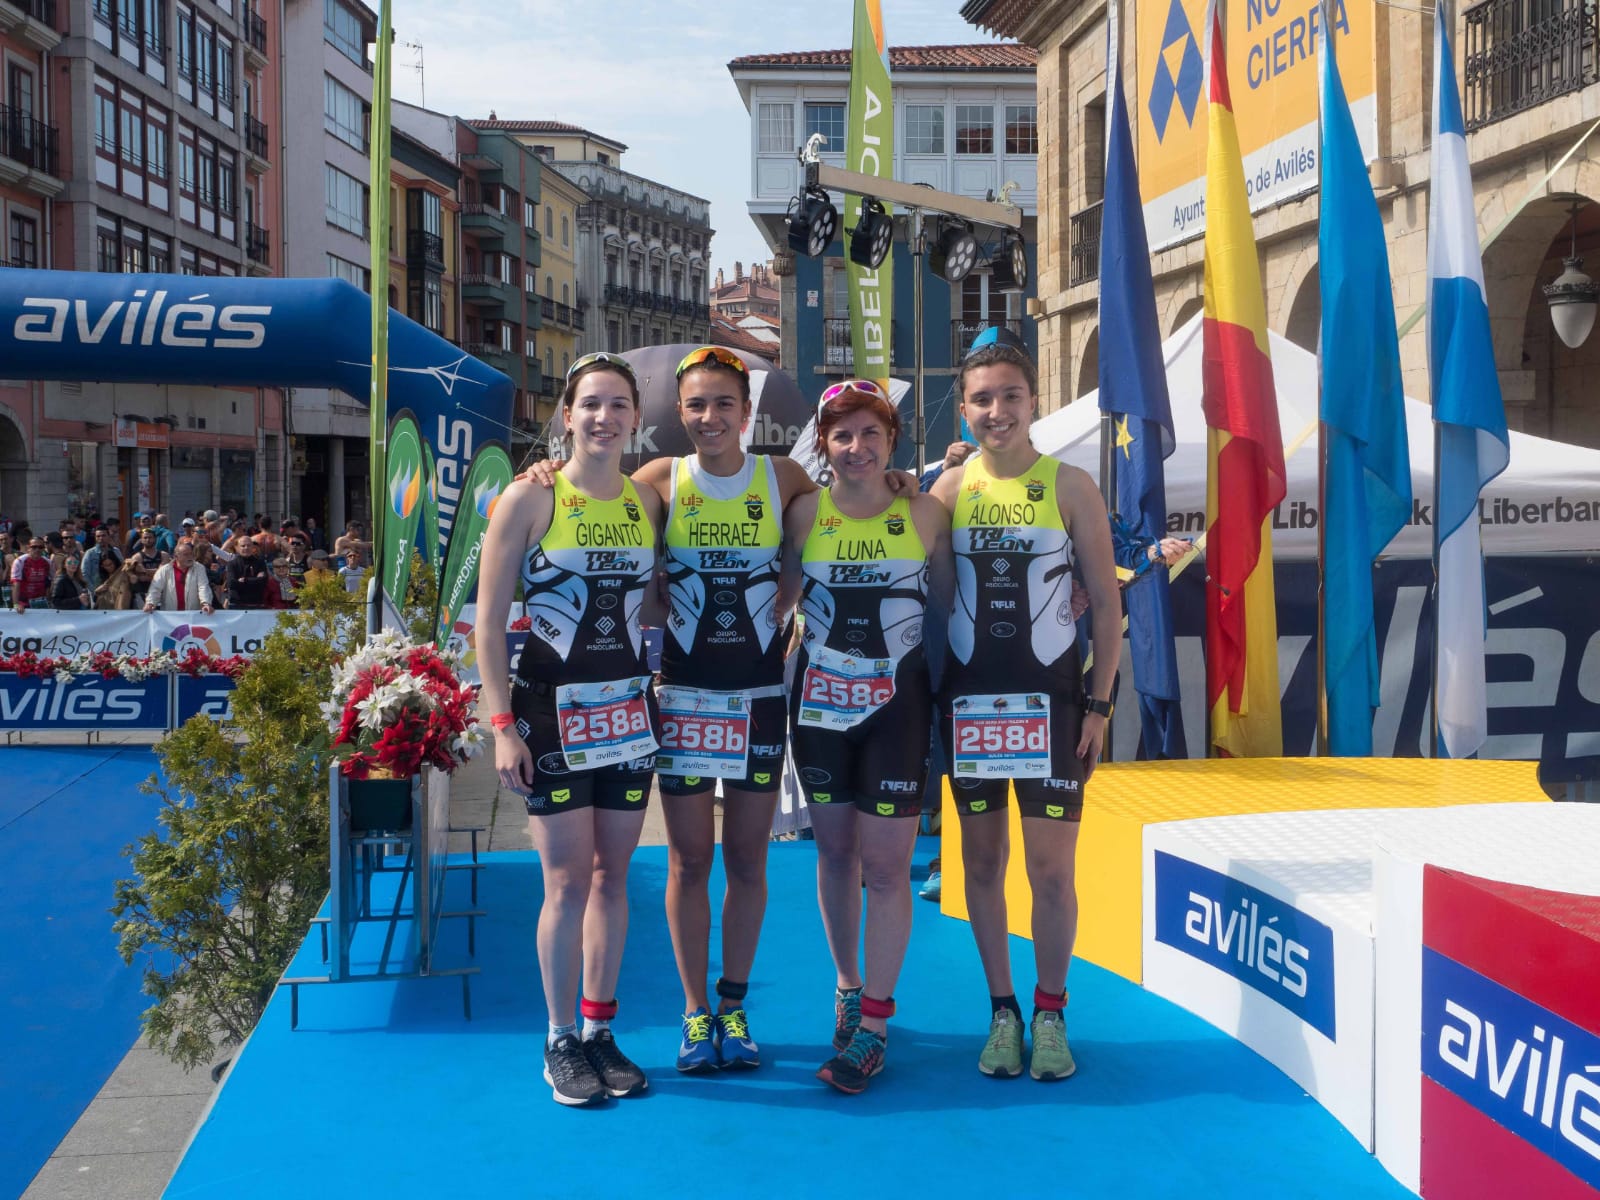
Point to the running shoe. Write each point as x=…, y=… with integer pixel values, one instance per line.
x=1002, y=1053
x=1051, y=1058
x=566, y=1069
x=858, y=1062
x=735, y=1047
x=618, y=1074
x=697, y=1052
x=931, y=889
x=846, y=1016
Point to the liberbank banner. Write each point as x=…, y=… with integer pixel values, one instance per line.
x=1273, y=72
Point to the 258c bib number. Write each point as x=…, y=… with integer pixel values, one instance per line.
x=840, y=691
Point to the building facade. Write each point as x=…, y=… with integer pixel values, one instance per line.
x=145, y=147
x=1530, y=88
x=965, y=122
x=563, y=319
x=755, y=294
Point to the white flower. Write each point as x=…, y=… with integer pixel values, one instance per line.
x=468, y=743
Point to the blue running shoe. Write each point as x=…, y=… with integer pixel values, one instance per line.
x=735, y=1047
x=697, y=1053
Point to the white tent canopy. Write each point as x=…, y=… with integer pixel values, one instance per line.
x=1547, y=501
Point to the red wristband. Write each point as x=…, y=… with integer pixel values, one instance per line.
x=503, y=720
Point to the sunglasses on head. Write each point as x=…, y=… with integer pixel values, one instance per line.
x=711, y=354
x=605, y=357
x=851, y=385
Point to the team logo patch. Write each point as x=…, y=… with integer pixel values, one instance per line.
x=895, y=524
x=753, y=507
x=634, y=795
x=815, y=776
x=632, y=509
x=979, y=805
x=605, y=625
x=821, y=797
x=554, y=763
x=763, y=777
x=691, y=780
x=1035, y=490
x=885, y=810
x=561, y=795
x=1054, y=810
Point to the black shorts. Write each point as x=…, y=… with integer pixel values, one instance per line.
x=1057, y=796
x=881, y=765
x=769, y=720
x=620, y=787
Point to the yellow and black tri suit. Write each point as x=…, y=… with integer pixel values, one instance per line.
x=724, y=540
x=584, y=585
x=861, y=704
x=1012, y=631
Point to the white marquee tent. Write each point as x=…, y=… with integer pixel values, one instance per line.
x=1547, y=501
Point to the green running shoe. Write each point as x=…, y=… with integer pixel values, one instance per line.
x=1002, y=1053
x=1051, y=1058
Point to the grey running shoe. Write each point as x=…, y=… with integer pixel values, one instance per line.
x=618, y=1074
x=1051, y=1058
x=566, y=1069
x=1002, y=1053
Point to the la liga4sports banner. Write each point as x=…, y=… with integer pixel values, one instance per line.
x=220, y=634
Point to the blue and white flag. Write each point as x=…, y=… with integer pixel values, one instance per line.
x=1367, y=479
x=1469, y=417
x=1133, y=389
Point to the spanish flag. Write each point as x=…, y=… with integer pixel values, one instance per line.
x=1245, y=479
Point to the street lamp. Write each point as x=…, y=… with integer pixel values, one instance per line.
x=1573, y=296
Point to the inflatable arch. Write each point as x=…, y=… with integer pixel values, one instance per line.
x=223, y=330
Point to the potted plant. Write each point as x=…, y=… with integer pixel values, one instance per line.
x=395, y=708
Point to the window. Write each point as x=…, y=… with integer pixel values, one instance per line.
x=775, y=125
x=185, y=43
x=135, y=30
x=1022, y=129
x=207, y=158
x=530, y=348
x=549, y=361
x=350, y=272
x=566, y=232
x=828, y=120
x=227, y=184
x=433, y=304
x=924, y=129
x=132, y=137
x=530, y=283
x=24, y=241
x=566, y=293
x=839, y=293
x=105, y=125
x=344, y=113
x=508, y=334
x=974, y=129
x=507, y=267
x=225, y=91
x=186, y=168
x=529, y=221
x=602, y=158
x=156, y=160
x=342, y=29
x=549, y=222
x=346, y=201
x=121, y=246
x=424, y=212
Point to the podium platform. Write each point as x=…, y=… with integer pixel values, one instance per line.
x=1123, y=798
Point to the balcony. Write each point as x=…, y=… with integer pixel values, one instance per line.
x=1084, y=252
x=491, y=353
x=31, y=21
x=27, y=145
x=962, y=334
x=547, y=387
x=837, y=352
x=485, y=220
x=1520, y=53
x=489, y=290
x=257, y=159
x=255, y=39
x=547, y=309
x=424, y=250
x=258, y=245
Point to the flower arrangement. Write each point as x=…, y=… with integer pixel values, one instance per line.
x=398, y=707
x=132, y=667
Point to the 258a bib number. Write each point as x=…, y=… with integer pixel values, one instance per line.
x=604, y=723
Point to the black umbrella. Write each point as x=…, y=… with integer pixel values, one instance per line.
x=779, y=410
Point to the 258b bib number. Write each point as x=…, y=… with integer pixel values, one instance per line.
x=704, y=733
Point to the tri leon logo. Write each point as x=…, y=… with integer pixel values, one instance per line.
x=405, y=489
x=185, y=638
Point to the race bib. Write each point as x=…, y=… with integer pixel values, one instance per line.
x=1002, y=737
x=840, y=690
x=604, y=723
x=703, y=733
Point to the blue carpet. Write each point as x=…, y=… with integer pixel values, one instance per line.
x=387, y=1091
x=71, y=1007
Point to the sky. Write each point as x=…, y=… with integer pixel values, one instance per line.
x=650, y=74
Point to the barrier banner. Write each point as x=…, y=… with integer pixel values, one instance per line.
x=86, y=702
x=51, y=634
x=221, y=634
x=202, y=696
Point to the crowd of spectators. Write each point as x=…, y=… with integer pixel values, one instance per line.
x=207, y=561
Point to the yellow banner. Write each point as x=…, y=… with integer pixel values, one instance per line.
x=1273, y=72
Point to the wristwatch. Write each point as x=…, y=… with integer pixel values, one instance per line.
x=1100, y=708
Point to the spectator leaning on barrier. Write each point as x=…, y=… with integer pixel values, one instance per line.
x=246, y=576
x=30, y=577
x=180, y=585
x=101, y=559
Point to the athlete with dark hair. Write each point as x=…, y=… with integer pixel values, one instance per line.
x=1016, y=713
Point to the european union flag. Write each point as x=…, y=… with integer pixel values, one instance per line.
x=1133, y=389
x=1367, y=474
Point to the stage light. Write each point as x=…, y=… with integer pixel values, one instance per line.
x=812, y=221
x=955, y=252
x=1010, y=269
x=873, y=235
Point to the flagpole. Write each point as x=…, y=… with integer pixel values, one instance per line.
x=1322, y=447
x=1433, y=696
